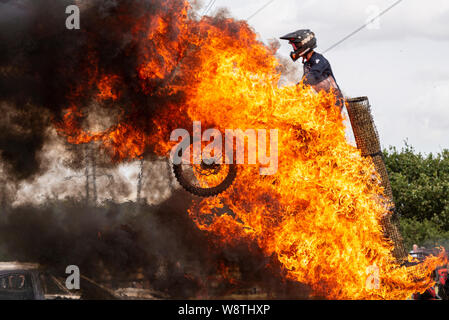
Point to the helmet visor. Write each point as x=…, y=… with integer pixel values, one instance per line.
x=295, y=46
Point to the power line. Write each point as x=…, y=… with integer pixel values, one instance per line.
x=263, y=7
x=364, y=26
x=209, y=6
x=205, y=8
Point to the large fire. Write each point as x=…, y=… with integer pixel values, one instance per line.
x=319, y=214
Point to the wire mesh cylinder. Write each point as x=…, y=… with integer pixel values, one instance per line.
x=367, y=139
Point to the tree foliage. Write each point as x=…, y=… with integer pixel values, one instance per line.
x=420, y=186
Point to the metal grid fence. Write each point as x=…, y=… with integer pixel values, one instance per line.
x=367, y=139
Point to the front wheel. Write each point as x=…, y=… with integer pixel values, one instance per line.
x=205, y=180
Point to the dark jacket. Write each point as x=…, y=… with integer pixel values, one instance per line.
x=318, y=74
x=317, y=69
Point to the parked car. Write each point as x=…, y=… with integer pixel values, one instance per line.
x=30, y=281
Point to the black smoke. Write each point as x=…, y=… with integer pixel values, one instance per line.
x=45, y=68
x=114, y=242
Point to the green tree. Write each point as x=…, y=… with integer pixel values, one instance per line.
x=420, y=186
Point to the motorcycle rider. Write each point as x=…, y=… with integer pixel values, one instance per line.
x=317, y=69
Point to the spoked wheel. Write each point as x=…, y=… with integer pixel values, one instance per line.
x=207, y=179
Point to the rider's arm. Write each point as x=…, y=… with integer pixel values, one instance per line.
x=317, y=72
x=318, y=75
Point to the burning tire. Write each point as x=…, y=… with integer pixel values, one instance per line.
x=205, y=180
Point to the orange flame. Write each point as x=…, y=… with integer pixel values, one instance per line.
x=320, y=213
x=106, y=88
